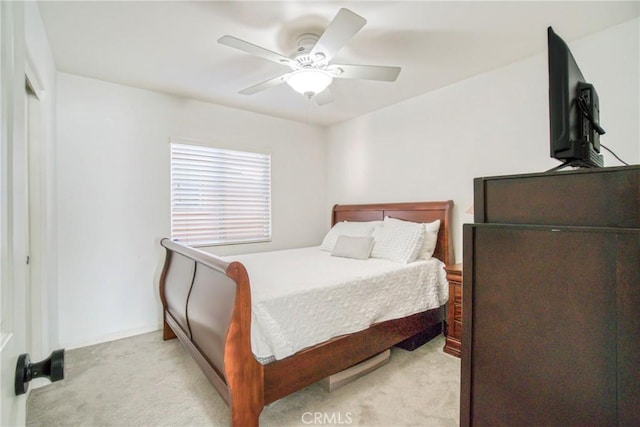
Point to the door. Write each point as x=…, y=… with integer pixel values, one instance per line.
x=13, y=211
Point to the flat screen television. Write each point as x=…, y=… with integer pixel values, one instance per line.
x=574, y=110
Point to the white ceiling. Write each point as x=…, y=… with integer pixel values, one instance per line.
x=172, y=47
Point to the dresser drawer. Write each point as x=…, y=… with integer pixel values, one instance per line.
x=456, y=298
x=454, y=310
x=456, y=301
x=457, y=311
x=456, y=329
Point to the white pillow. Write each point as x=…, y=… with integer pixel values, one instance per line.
x=430, y=235
x=399, y=244
x=353, y=247
x=430, y=239
x=344, y=228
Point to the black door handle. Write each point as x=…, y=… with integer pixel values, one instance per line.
x=52, y=367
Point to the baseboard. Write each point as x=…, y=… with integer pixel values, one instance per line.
x=111, y=337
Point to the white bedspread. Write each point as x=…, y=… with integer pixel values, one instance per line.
x=302, y=297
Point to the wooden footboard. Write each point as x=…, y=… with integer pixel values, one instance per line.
x=207, y=306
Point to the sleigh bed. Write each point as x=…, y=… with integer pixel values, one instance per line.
x=207, y=305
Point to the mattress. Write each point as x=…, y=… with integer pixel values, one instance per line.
x=303, y=297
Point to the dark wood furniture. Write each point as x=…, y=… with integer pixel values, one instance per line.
x=207, y=305
x=551, y=330
x=605, y=197
x=453, y=329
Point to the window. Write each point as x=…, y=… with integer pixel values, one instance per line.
x=219, y=196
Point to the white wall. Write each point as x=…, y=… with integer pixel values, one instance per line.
x=113, y=196
x=113, y=174
x=610, y=60
x=432, y=147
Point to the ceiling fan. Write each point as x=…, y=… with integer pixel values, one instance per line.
x=311, y=70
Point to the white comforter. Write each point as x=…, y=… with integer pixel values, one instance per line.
x=302, y=297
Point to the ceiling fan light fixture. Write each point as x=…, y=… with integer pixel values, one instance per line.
x=309, y=81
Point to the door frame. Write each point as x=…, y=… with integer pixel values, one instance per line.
x=19, y=306
x=37, y=305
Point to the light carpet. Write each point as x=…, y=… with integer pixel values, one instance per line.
x=145, y=381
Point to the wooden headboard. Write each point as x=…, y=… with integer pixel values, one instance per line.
x=416, y=212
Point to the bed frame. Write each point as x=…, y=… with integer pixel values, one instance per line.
x=207, y=306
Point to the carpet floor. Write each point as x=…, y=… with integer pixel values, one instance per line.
x=144, y=381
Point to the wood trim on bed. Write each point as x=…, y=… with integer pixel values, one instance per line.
x=245, y=384
x=313, y=364
x=245, y=376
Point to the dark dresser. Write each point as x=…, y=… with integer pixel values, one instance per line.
x=551, y=303
x=453, y=325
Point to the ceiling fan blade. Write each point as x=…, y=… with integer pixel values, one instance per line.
x=253, y=49
x=343, y=27
x=366, y=72
x=264, y=85
x=323, y=98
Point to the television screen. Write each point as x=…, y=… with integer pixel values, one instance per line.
x=574, y=110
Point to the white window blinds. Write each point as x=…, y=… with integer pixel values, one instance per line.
x=219, y=196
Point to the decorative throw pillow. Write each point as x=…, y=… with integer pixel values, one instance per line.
x=353, y=247
x=430, y=239
x=430, y=234
x=344, y=228
x=399, y=244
